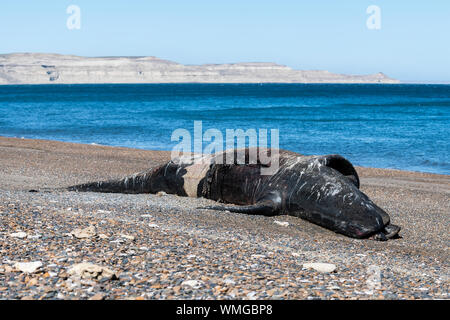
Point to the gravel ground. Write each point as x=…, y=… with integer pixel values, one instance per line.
x=162, y=247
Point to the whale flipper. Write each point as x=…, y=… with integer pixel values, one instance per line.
x=264, y=208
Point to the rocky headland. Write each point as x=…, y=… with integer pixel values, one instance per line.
x=41, y=68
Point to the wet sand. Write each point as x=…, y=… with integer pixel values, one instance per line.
x=155, y=244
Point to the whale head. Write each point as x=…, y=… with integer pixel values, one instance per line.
x=329, y=196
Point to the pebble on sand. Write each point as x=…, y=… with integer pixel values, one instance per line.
x=128, y=237
x=19, y=235
x=87, y=270
x=84, y=233
x=98, y=296
x=28, y=267
x=195, y=284
x=282, y=223
x=321, y=267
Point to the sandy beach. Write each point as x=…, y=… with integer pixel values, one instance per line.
x=162, y=247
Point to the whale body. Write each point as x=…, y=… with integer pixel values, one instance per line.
x=321, y=189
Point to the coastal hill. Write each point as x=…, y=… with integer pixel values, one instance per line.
x=41, y=68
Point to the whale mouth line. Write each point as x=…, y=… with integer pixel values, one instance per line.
x=391, y=231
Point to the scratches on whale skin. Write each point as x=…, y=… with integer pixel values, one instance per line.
x=331, y=189
x=166, y=167
x=315, y=164
x=291, y=166
x=250, y=189
x=311, y=192
x=348, y=199
x=299, y=189
x=368, y=205
x=135, y=180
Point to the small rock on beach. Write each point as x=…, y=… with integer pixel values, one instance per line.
x=321, y=267
x=28, y=267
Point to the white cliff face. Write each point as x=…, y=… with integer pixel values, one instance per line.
x=39, y=68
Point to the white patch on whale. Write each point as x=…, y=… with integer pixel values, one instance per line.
x=194, y=174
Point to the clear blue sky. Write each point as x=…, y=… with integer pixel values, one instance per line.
x=413, y=43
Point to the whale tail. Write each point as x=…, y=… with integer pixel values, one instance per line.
x=137, y=183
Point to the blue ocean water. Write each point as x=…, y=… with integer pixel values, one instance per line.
x=385, y=126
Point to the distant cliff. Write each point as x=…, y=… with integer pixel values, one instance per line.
x=38, y=68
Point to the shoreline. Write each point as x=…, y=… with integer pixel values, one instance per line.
x=15, y=138
x=232, y=83
x=156, y=244
x=212, y=83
